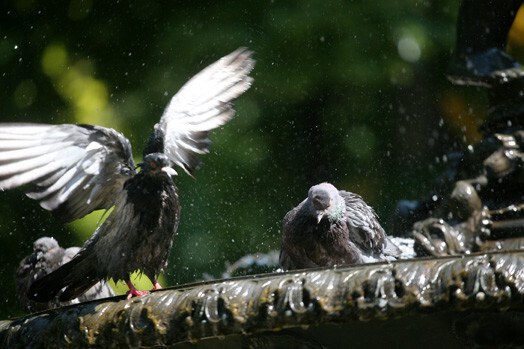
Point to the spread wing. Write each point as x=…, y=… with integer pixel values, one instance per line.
x=71, y=169
x=365, y=230
x=201, y=105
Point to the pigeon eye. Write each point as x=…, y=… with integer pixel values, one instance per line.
x=152, y=164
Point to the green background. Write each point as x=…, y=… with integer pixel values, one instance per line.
x=350, y=92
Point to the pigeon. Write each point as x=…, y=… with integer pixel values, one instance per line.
x=333, y=227
x=75, y=169
x=47, y=256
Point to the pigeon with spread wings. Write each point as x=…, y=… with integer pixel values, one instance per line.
x=75, y=169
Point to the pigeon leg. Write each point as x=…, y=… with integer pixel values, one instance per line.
x=133, y=291
x=156, y=284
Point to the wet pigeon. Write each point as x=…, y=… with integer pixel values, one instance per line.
x=75, y=169
x=333, y=227
x=47, y=256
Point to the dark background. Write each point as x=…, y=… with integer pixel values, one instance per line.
x=350, y=92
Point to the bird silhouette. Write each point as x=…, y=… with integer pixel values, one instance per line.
x=75, y=169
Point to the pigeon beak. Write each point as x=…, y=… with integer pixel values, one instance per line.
x=170, y=171
x=320, y=214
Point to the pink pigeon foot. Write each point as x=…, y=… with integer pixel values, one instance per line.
x=156, y=285
x=133, y=291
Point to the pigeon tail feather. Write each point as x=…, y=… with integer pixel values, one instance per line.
x=76, y=276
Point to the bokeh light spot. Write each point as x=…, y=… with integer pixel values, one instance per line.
x=409, y=49
x=54, y=60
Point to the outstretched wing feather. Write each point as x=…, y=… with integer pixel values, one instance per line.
x=201, y=105
x=71, y=169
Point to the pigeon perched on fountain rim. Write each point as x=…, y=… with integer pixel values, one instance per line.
x=333, y=227
x=75, y=169
x=46, y=257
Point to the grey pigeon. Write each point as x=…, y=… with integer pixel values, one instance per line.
x=333, y=227
x=75, y=169
x=47, y=256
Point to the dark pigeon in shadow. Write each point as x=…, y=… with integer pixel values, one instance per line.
x=333, y=227
x=47, y=256
x=75, y=169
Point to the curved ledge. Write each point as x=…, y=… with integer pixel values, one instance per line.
x=487, y=282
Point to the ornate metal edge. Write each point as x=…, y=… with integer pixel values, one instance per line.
x=244, y=305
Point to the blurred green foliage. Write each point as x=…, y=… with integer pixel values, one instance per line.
x=350, y=92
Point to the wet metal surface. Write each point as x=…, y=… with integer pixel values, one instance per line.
x=250, y=305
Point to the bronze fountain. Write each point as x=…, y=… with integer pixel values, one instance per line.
x=464, y=288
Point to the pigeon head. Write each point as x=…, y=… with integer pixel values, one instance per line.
x=156, y=163
x=47, y=250
x=44, y=245
x=326, y=201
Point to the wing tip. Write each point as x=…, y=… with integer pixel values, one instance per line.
x=230, y=77
x=244, y=57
